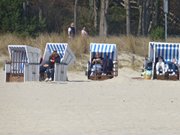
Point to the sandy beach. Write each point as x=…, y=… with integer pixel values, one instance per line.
x=118, y=106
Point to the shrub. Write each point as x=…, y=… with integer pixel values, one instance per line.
x=157, y=33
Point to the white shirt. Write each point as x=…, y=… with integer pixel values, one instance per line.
x=69, y=31
x=160, y=65
x=83, y=33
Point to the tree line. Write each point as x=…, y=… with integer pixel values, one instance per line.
x=100, y=17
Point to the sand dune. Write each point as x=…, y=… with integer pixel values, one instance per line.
x=119, y=106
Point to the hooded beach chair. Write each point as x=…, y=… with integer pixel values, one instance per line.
x=66, y=55
x=23, y=64
x=109, y=53
x=167, y=51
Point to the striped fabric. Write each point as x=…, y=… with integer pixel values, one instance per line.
x=166, y=50
x=18, y=54
x=21, y=54
x=66, y=55
x=59, y=47
x=16, y=48
x=18, y=58
x=104, y=49
x=64, y=51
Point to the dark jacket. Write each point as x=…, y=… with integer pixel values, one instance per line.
x=53, y=60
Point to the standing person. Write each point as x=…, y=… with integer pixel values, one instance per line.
x=71, y=31
x=54, y=58
x=84, y=35
x=84, y=32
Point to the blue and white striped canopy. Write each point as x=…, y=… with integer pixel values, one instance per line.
x=104, y=49
x=21, y=48
x=62, y=49
x=59, y=47
x=21, y=54
x=24, y=53
x=166, y=50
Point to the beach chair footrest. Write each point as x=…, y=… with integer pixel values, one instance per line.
x=100, y=77
x=14, y=77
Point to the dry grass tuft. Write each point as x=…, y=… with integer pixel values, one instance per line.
x=136, y=46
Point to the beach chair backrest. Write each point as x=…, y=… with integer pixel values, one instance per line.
x=105, y=50
x=167, y=51
x=62, y=49
x=21, y=54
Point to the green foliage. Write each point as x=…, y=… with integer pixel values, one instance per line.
x=86, y=20
x=157, y=33
x=10, y=14
x=15, y=20
x=116, y=19
x=32, y=17
x=33, y=27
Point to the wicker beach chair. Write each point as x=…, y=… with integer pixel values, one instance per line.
x=167, y=51
x=66, y=55
x=23, y=65
x=108, y=53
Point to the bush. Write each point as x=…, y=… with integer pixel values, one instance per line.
x=157, y=33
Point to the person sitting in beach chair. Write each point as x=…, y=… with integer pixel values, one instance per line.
x=48, y=67
x=173, y=67
x=147, y=63
x=160, y=67
x=107, y=66
x=97, y=63
x=147, y=68
x=42, y=70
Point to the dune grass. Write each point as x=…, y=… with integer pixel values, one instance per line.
x=80, y=46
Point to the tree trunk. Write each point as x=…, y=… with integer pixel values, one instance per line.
x=103, y=22
x=140, y=21
x=146, y=11
x=95, y=15
x=155, y=13
x=75, y=13
x=143, y=18
x=146, y=17
x=127, y=17
x=40, y=14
